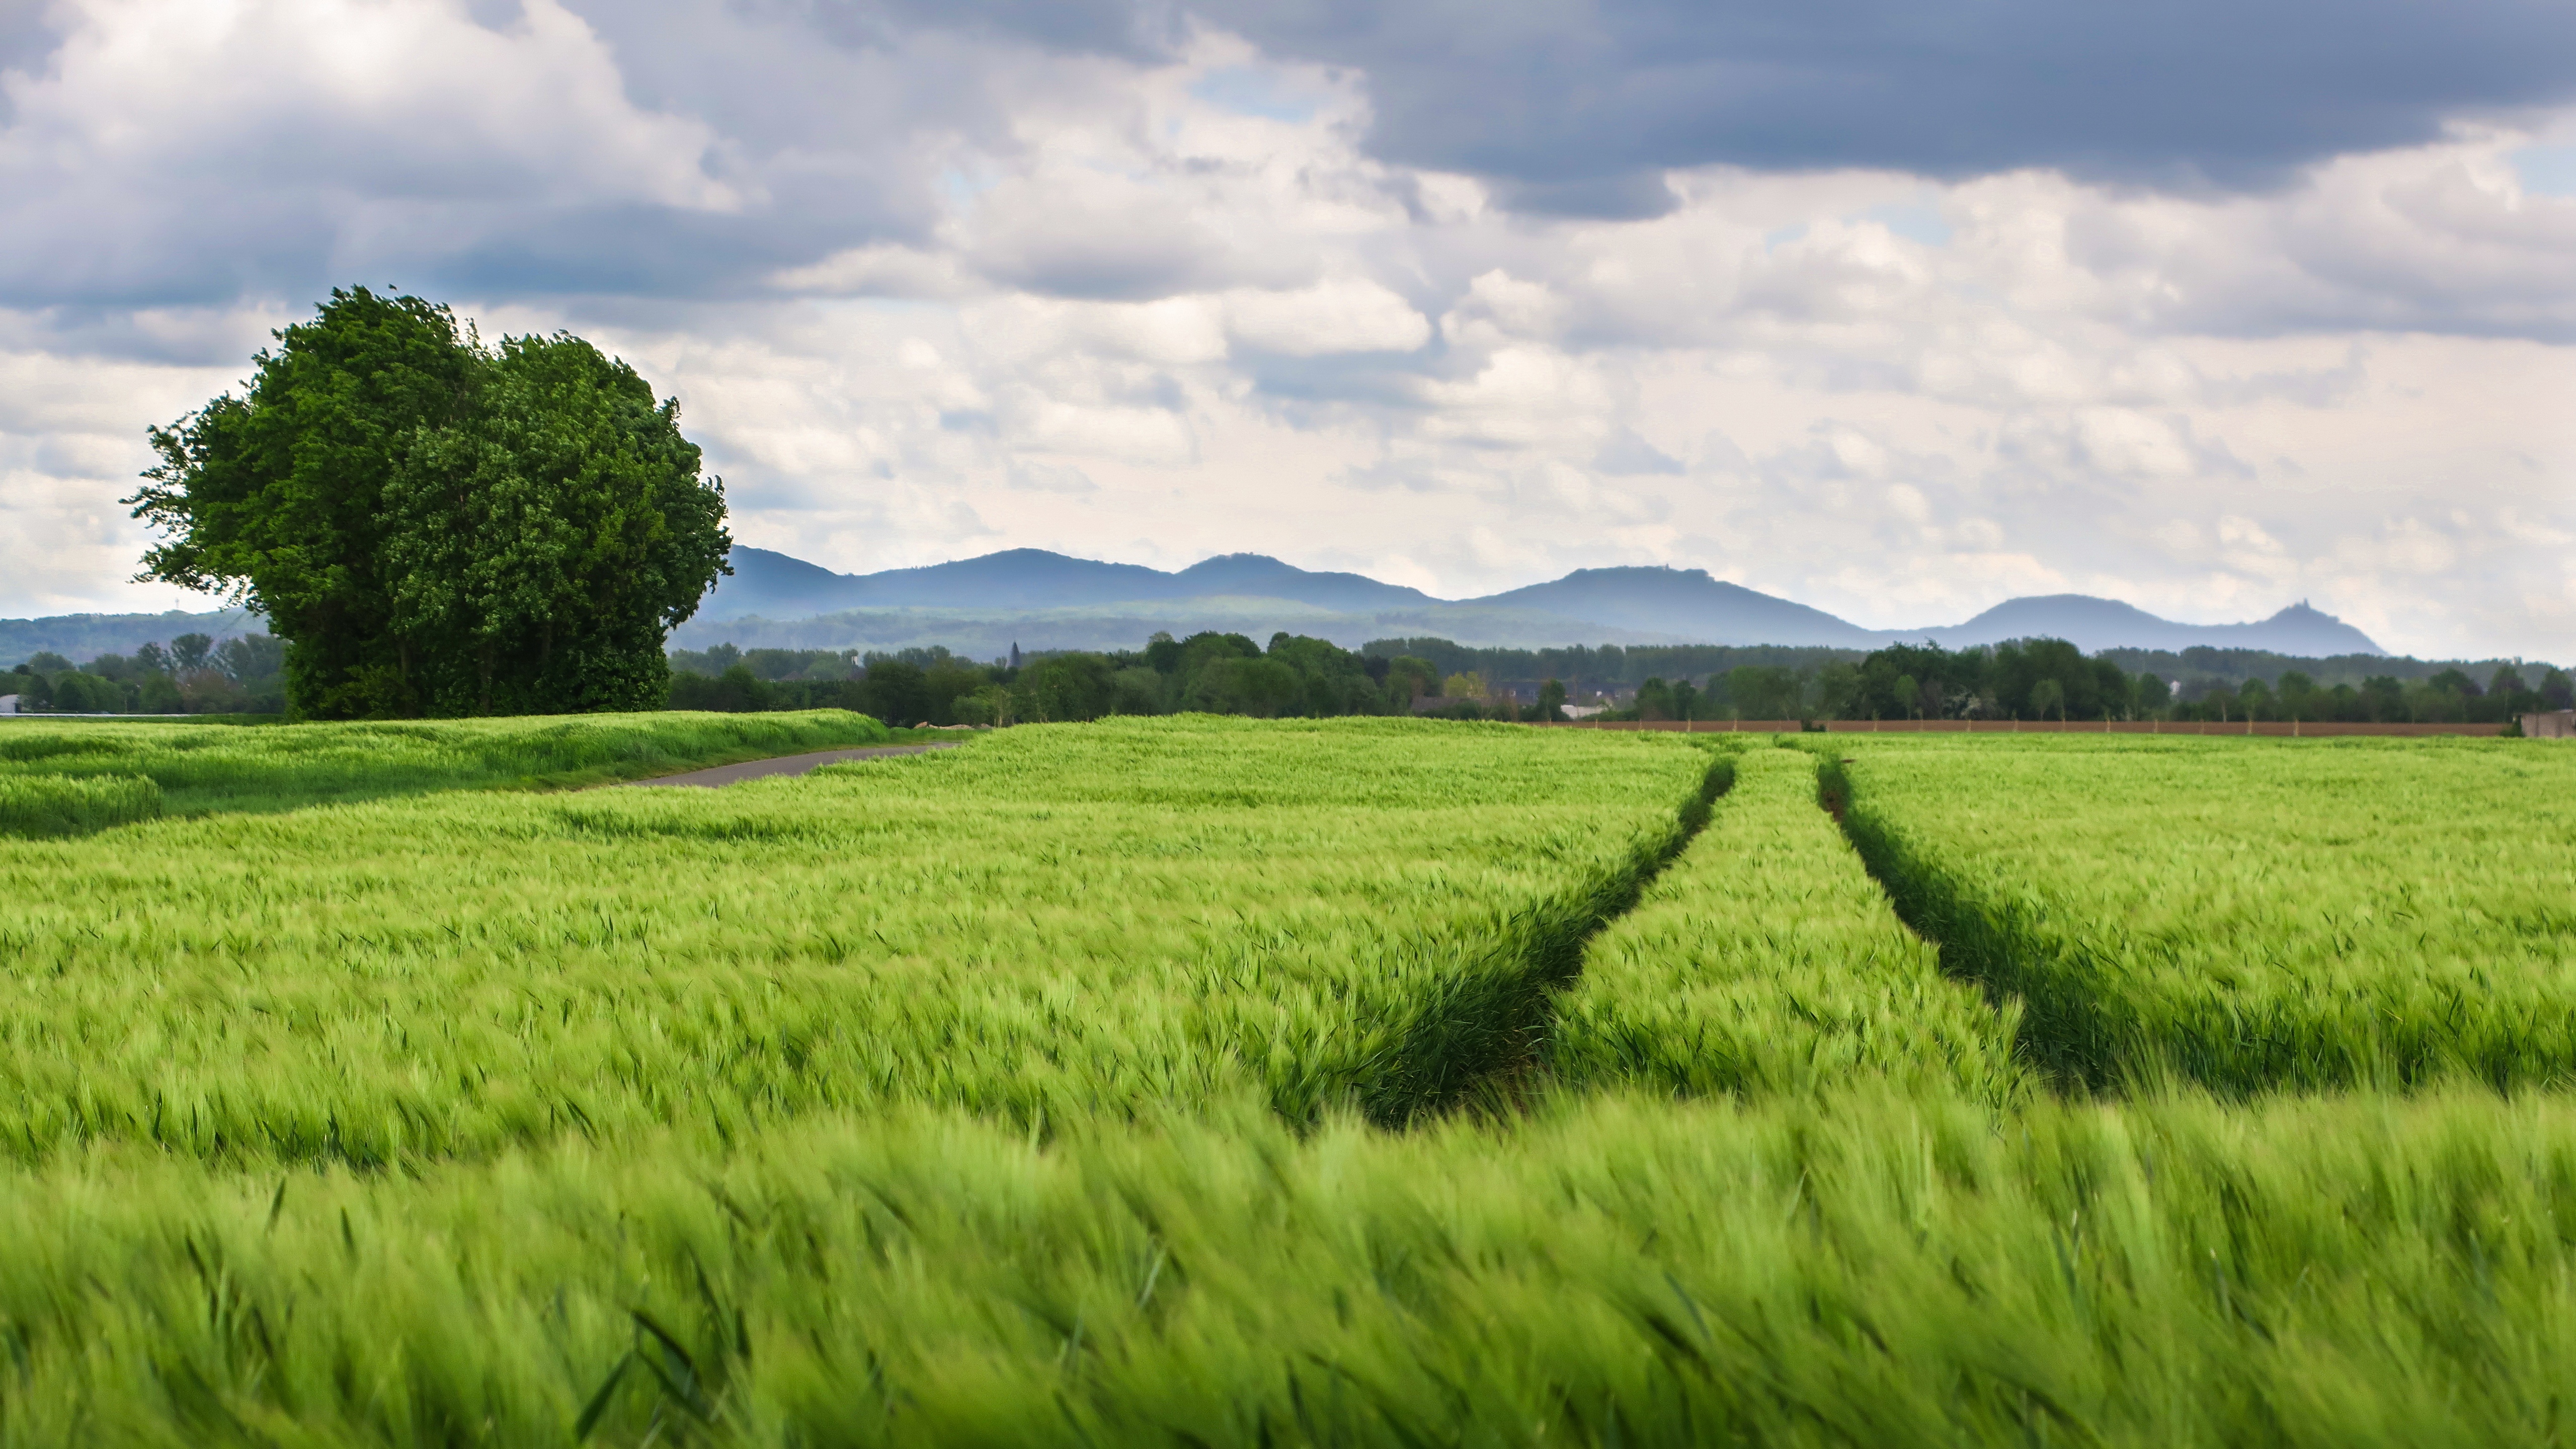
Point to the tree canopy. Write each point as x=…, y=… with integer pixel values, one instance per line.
x=436, y=526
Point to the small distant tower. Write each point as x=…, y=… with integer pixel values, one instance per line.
x=1015, y=654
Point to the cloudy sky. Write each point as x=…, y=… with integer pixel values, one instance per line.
x=1891, y=308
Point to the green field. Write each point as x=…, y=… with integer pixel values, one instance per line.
x=1208, y=1082
x=2241, y=914
x=206, y=769
x=1767, y=961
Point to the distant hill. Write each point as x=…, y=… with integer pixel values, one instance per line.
x=83, y=637
x=1686, y=604
x=776, y=586
x=984, y=598
x=1046, y=600
x=2093, y=625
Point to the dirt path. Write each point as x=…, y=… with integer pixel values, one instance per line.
x=782, y=765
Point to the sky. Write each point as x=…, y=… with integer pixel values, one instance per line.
x=1893, y=309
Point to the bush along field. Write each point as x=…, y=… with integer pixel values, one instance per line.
x=1362, y=1081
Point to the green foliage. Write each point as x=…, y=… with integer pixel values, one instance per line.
x=1207, y=673
x=1064, y=687
x=2020, y=679
x=1655, y=701
x=542, y=545
x=2244, y=913
x=1410, y=677
x=437, y=527
x=1587, y=669
x=1766, y=961
x=277, y=499
x=81, y=692
x=1761, y=691
x=2047, y=700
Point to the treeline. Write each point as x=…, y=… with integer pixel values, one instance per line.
x=2203, y=666
x=2449, y=697
x=2033, y=679
x=1585, y=670
x=1776, y=682
x=2051, y=679
x=1210, y=672
x=191, y=674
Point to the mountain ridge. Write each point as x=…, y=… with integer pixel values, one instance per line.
x=1621, y=604
x=1050, y=600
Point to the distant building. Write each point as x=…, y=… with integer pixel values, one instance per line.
x=8, y=704
x=2556, y=724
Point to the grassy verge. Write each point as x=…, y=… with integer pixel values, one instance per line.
x=215, y=769
x=1767, y=961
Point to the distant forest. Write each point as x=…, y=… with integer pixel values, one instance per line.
x=190, y=674
x=1295, y=675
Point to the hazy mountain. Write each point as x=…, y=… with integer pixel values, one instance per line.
x=83, y=637
x=2092, y=625
x=1253, y=575
x=1687, y=604
x=775, y=586
x=985, y=598
x=983, y=634
x=1046, y=600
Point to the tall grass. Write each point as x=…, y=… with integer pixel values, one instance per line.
x=1085, y=1087
x=1057, y=921
x=1837, y=1270
x=209, y=768
x=1766, y=960
x=45, y=805
x=2245, y=914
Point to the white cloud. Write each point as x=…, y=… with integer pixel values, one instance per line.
x=1354, y=315
x=930, y=295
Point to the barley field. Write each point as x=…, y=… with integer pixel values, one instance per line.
x=2246, y=914
x=1197, y=1081
x=206, y=769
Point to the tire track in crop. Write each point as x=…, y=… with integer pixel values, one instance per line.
x=2065, y=1034
x=1499, y=1081
x=1770, y=963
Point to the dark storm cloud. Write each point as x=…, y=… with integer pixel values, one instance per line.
x=27, y=35
x=1572, y=104
x=1097, y=27
x=825, y=119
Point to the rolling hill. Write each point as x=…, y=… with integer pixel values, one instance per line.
x=1045, y=600
x=1055, y=601
x=2092, y=625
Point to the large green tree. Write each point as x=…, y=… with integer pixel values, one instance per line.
x=440, y=527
